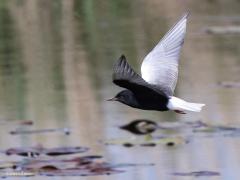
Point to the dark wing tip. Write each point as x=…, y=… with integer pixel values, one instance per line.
x=122, y=71
x=185, y=15
x=122, y=57
x=118, y=68
x=120, y=62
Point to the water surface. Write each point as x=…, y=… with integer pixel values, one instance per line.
x=56, y=62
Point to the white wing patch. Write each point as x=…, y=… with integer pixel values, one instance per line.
x=160, y=66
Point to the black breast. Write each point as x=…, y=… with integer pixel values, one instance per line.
x=146, y=100
x=152, y=102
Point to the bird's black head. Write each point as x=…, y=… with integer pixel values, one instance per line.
x=126, y=97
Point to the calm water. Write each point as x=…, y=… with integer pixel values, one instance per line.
x=56, y=61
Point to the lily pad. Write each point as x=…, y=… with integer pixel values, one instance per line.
x=17, y=122
x=76, y=166
x=66, y=131
x=7, y=165
x=197, y=173
x=81, y=172
x=218, y=129
x=64, y=151
x=38, y=150
x=53, y=163
x=223, y=30
x=14, y=173
x=149, y=143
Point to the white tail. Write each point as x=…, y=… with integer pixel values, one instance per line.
x=181, y=105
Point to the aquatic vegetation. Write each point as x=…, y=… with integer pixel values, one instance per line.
x=40, y=161
x=197, y=173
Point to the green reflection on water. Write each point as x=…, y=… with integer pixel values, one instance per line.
x=31, y=69
x=12, y=80
x=103, y=34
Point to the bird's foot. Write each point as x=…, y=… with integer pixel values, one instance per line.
x=179, y=112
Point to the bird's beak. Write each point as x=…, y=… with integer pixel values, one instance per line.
x=123, y=127
x=112, y=99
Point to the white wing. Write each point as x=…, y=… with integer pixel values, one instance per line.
x=160, y=66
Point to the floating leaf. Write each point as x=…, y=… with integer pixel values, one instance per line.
x=197, y=173
x=196, y=124
x=48, y=168
x=6, y=165
x=223, y=30
x=90, y=165
x=170, y=141
x=128, y=144
x=17, y=122
x=206, y=130
x=46, y=164
x=80, y=172
x=64, y=151
x=38, y=150
x=148, y=144
x=143, y=142
x=229, y=84
x=213, y=129
x=27, y=122
x=17, y=174
x=40, y=131
x=77, y=166
x=27, y=152
x=124, y=165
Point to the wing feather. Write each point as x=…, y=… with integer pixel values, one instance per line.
x=160, y=66
x=124, y=76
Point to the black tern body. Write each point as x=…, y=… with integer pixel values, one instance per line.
x=154, y=89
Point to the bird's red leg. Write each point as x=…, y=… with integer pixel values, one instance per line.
x=179, y=112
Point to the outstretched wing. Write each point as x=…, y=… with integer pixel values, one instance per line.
x=160, y=66
x=124, y=76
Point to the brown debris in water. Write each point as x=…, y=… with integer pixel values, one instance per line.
x=197, y=173
x=42, y=161
x=66, y=131
x=77, y=166
x=229, y=84
x=38, y=150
